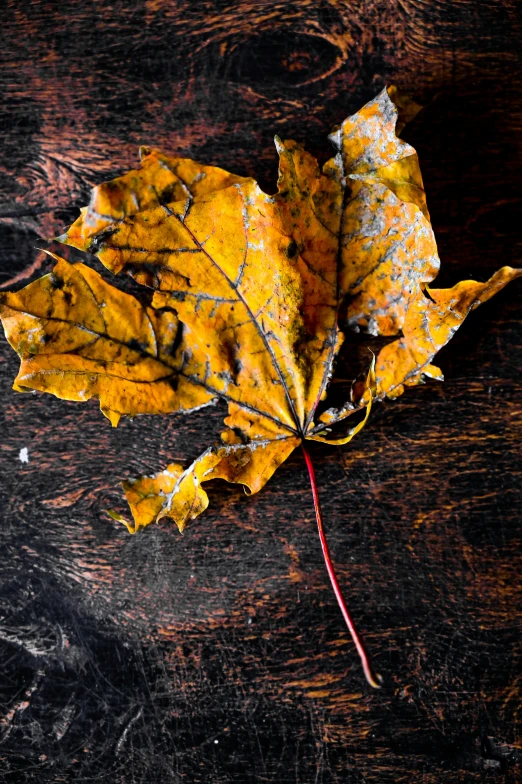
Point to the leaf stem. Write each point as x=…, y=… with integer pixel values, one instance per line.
x=373, y=679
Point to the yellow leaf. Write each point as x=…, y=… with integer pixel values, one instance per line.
x=247, y=289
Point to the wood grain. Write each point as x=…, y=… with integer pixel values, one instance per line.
x=221, y=656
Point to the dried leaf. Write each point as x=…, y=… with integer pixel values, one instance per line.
x=247, y=292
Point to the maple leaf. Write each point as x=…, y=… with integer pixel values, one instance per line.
x=247, y=291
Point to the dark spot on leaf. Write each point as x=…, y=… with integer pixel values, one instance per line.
x=291, y=250
x=135, y=345
x=177, y=340
x=239, y=433
x=98, y=241
x=56, y=281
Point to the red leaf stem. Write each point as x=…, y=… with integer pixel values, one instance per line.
x=373, y=679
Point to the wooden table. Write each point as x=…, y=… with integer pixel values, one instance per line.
x=221, y=656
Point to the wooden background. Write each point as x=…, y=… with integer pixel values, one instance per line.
x=221, y=656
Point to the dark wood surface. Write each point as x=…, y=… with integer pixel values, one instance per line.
x=221, y=656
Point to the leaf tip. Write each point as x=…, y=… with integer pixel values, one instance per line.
x=132, y=528
x=144, y=151
x=112, y=416
x=335, y=138
x=280, y=147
